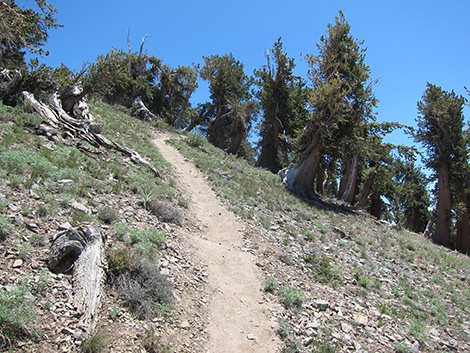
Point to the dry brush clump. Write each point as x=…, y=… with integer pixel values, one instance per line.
x=139, y=284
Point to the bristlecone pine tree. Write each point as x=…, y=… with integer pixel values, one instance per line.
x=283, y=98
x=228, y=116
x=440, y=130
x=342, y=100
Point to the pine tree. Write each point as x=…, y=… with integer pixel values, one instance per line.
x=342, y=102
x=228, y=117
x=283, y=98
x=23, y=29
x=440, y=124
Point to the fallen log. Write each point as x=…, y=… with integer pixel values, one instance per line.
x=81, y=252
x=84, y=128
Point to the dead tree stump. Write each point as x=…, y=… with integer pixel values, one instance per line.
x=81, y=252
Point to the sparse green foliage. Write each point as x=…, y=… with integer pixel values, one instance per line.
x=107, y=215
x=23, y=29
x=16, y=316
x=290, y=297
x=270, y=284
x=97, y=343
x=6, y=227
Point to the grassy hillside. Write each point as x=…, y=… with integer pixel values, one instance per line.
x=345, y=280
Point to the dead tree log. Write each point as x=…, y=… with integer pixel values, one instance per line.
x=81, y=251
x=85, y=128
x=9, y=80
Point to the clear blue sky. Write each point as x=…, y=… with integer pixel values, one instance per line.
x=409, y=43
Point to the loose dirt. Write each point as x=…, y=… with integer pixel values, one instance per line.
x=237, y=313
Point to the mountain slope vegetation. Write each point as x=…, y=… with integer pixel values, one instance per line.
x=336, y=278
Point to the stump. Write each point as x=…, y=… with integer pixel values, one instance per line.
x=81, y=252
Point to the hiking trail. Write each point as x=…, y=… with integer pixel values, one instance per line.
x=237, y=314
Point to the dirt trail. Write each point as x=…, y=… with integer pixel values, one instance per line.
x=237, y=319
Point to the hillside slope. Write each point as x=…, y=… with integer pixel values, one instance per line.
x=324, y=280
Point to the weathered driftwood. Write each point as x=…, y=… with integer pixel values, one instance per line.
x=81, y=251
x=85, y=128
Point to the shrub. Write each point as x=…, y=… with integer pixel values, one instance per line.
x=16, y=316
x=165, y=211
x=291, y=297
x=144, y=289
x=6, y=227
x=270, y=284
x=120, y=260
x=95, y=344
x=107, y=214
x=195, y=140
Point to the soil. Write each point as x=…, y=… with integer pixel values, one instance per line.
x=237, y=319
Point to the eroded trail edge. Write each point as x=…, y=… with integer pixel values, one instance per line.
x=237, y=314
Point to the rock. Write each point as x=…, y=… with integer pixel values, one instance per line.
x=361, y=319
x=415, y=347
x=17, y=263
x=65, y=226
x=185, y=325
x=313, y=324
x=67, y=331
x=79, y=207
x=346, y=327
x=321, y=304
x=251, y=337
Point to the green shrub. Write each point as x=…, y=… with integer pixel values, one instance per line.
x=146, y=242
x=16, y=315
x=95, y=344
x=6, y=227
x=270, y=284
x=120, y=260
x=107, y=214
x=291, y=297
x=195, y=140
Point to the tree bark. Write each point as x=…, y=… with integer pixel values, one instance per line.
x=81, y=251
x=364, y=197
x=463, y=231
x=376, y=205
x=444, y=204
x=348, y=195
x=299, y=177
x=239, y=128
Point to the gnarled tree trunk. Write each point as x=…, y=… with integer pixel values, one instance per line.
x=81, y=251
x=348, y=194
x=463, y=230
x=444, y=204
x=299, y=177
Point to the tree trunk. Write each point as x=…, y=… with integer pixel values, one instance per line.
x=463, y=231
x=444, y=204
x=321, y=179
x=82, y=250
x=348, y=195
x=376, y=205
x=218, y=127
x=299, y=178
x=239, y=128
x=432, y=220
x=363, y=199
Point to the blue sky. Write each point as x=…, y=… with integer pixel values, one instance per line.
x=409, y=43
